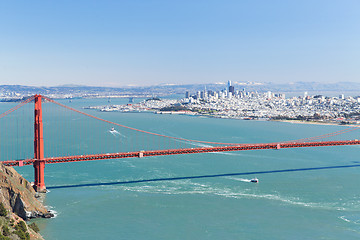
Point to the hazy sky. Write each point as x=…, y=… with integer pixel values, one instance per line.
x=117, y=43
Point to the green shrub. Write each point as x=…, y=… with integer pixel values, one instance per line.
x=34, y=227
x=21, y=231
x=4, y=238
x=5, y=230
x=21, y=226
x=3, y=211
x=22, y=235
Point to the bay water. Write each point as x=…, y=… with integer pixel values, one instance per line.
x=304, y=193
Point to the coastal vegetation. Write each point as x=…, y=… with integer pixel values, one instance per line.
x=181, y=108
x=34, y=227
x=3, y=211
x=153, y=99
x=13, y=227
x=174, y=108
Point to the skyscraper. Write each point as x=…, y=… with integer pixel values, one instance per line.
x=230, y=88
x=229, y=85
x=187, y=94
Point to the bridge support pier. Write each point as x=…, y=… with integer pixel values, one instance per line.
x=39, y=183
x=39, y=164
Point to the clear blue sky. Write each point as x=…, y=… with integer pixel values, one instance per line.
x=117, y=43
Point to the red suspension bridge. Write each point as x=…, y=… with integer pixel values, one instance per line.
x=130, y=142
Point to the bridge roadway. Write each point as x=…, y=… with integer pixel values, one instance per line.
x=240, y=147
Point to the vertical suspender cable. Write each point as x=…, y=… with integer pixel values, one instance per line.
x=17, y=138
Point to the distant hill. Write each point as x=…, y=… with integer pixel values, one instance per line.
x=167, y=89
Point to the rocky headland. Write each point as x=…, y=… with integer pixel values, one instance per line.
x=19, y=202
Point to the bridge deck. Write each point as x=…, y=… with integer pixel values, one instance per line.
x=242, y=147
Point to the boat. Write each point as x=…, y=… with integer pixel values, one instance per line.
x=254, y=180
x=112, y=129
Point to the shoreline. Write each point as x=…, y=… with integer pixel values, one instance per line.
x=284, y=121
x=189, y=113
x=315, y=123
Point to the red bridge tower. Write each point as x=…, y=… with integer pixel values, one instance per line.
x=39, y=164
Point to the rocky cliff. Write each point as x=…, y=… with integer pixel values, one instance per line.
x=19, y=202
x=17, y=194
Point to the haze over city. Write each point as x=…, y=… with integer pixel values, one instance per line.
x=120, y=43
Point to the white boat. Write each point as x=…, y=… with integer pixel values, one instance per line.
x=254, y=180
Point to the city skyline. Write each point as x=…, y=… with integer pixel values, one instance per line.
x=142, y=43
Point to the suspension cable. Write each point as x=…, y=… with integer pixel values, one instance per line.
x=198, y=141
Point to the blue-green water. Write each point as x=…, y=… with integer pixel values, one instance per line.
x=291, y=201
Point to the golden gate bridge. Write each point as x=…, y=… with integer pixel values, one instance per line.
x=133, y=142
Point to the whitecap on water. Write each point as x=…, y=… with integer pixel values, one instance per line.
x=355, y=219
x=55, y=213
x=51, y=210
x=345, y=219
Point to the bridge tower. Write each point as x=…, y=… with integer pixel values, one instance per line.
x=39, y=164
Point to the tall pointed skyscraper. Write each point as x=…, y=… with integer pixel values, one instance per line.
x=229, y=85
x=230, y=89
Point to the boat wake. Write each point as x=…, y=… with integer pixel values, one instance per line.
x=116, y=133
x=239, y=179
x=189, y=187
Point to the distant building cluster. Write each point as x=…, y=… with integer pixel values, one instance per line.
x=228, y=93
x=226, y=103
x=232, y=103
